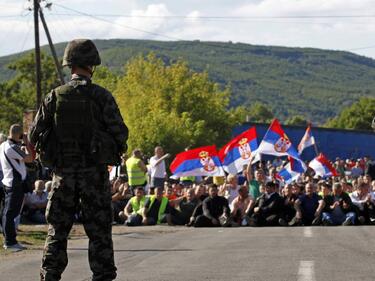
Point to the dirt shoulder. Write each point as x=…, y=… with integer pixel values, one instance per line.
x=33, y=236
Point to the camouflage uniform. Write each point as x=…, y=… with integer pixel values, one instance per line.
x=79, y=181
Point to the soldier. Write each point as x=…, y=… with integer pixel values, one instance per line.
x=78, y=131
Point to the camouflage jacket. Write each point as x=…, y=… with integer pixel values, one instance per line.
x=106, y=114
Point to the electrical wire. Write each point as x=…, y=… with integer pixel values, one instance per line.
x=27, y=35
x=121, y=25
x=236, y=47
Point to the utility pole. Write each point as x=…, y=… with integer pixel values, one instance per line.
x=37, y=55
x=53, y=51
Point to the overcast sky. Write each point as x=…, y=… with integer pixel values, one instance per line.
x=326, y=24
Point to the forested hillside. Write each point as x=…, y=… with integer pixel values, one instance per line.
x=316, y=84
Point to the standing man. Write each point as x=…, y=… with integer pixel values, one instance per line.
x=2, y=193
x=79, y=129
x=158, y=171
x=136, y=170
x=13, y=157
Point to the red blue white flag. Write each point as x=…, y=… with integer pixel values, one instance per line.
x=307, y=140
x=202, y=161
x=322, y=166
x=276, y=142
x=292, y=170
x=235, y=154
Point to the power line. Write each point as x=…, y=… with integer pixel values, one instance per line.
x=236, y=47
x=211, y=17
x=118, y=24
x=361, y=48
x=228, y=17
x=253, y=21
x=27, y=35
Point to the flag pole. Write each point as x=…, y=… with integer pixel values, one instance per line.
x=315, y=146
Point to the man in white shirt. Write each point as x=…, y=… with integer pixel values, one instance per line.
x=2, y=194
x=12, y=158
x=157, y=168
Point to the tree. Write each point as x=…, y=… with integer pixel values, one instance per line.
x=19, y=94
x=358, y=116
x=105, y=78
x=171, y=106
x=259, y=112
x=296, y=120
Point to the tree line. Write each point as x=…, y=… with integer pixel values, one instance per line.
x=164, y=104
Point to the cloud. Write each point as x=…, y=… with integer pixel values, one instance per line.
x=146, y=20
x=150, y=20
x=302, y=7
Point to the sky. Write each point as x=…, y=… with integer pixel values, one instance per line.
x=347, y=25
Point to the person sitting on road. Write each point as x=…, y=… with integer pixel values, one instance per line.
x=200, y=194
x=240, y=206
x=169, y=193
x=297, y=189
x=48, y=186
x=120, y=197
x=157, y=209
x=215, y=208
x=309, y=207
x=185, y=208
x=339, y=208
x=255, y=181
x=362, y=200
x=132, y=213
x=289, y=199
x=36, y=203
x=267, y=209
x=230, y=189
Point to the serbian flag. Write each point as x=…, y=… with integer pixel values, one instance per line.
x=235, y=154
x=292, y=170
x=276, y=142
x=202, y=161
x=306, y=141
x=322, y=166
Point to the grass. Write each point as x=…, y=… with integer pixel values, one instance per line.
x=33, y=236
x=29, y=236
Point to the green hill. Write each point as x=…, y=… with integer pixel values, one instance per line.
x=311, y=82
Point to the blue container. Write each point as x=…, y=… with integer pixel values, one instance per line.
x=332, y=142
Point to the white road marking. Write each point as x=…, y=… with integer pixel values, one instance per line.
x=307, y=232
x=306, y=271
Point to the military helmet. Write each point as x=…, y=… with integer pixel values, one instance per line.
x=82, y=52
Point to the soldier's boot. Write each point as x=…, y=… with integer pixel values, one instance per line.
x=49, y=276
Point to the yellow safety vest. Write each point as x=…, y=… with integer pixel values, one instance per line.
x=135, y=174
x=163, y=206
x=137, y=206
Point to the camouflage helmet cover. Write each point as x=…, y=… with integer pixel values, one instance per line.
x=81, y=52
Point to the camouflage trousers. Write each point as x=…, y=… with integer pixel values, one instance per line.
x=89, y=189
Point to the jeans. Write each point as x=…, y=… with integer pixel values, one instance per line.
x=338, y=220
x=12, y=206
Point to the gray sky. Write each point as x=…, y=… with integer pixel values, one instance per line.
x=326, y=24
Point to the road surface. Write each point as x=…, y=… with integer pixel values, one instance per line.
x=256, y=254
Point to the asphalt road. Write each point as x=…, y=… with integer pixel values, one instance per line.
x=179, y=253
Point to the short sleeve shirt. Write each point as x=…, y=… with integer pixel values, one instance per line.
x=12, y=162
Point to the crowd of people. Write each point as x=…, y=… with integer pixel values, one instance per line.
x=143, y=194
x=255, y=197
